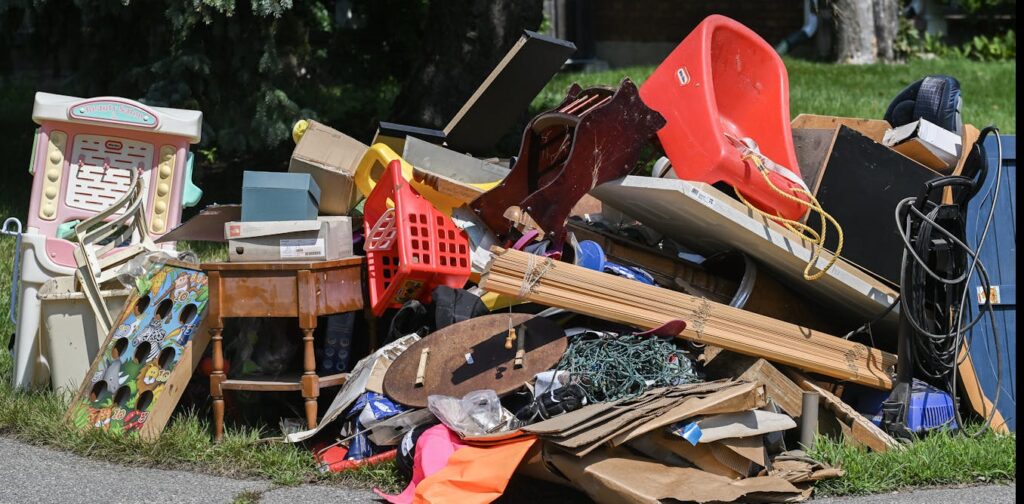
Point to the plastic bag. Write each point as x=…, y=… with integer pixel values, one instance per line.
x=477, y=413
x=136, y=272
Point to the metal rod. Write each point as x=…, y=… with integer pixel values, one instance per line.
x=808, y=420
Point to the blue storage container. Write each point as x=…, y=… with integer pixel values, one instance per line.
x=999, y=256
x=279, y=196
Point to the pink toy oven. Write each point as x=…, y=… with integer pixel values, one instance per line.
x=81, y=161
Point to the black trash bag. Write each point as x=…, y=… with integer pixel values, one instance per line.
x=410, y=318
x=455, y=305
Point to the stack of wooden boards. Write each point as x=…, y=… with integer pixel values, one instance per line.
x=617, y=299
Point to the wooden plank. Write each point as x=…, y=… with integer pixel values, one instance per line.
x=812, y=148
x=354, y=261
x=861, y=429
x=862, y=183
x=707, y=221
x=505, y=94
x=780, y=389
x=976, y=394
x=288, y=384
x=872, y=128
x=617, y=299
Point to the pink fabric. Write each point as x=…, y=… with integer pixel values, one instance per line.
x=433, y=448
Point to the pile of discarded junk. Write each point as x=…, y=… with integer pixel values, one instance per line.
x=678, y=335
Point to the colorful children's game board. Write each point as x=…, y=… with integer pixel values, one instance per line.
x=147, y=359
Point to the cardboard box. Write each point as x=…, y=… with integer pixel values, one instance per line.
x=926, y=143
x=278, y=196
x=323, y=239
x=330, y=157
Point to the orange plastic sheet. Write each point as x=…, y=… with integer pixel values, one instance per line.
x=474, y=474
x=433, y=448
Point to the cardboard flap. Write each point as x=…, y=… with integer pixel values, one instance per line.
x=236, y=230
x=208, y=225
x=750, y=448
x=617, y=476
x=742, y=424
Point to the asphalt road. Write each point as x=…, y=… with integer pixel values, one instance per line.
x=36, y=475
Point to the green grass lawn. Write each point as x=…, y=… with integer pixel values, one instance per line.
x=989, y=94
x=989, y=89
x=940, y=459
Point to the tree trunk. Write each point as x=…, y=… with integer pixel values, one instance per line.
x=463, y=42
x=886, y=25
x=855, y=31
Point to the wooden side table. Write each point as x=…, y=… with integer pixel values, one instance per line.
x=304, y=290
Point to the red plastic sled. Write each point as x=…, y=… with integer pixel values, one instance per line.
x=725, y=79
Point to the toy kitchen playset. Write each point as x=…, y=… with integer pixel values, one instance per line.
x=96, y=162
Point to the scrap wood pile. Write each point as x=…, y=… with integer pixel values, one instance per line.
x=679, y=336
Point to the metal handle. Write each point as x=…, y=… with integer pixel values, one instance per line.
x=7, y=225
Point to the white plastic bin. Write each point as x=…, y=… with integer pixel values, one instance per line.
x=70, y=336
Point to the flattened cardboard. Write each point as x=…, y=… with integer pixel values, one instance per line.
x=324, y=239
x=330, y=157
x=617, y=476
x=569, y=422
x=655, y=444
x=207, y=225
x=742, y=452
x=795, y=469
x=741, y=397
x=927, y=143
x=742, y=424
x=812, y=146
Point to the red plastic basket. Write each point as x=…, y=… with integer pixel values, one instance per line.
x=411, y=247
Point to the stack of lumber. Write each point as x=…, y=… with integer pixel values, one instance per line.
x=616, y=299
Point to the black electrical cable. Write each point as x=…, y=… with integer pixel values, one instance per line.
x=936, y=354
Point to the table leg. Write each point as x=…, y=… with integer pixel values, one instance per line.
x=310, y=380
x=216, y=377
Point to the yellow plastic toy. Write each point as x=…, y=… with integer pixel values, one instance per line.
x=299, y=129
x=379, y=155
